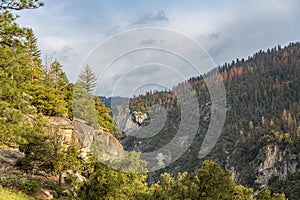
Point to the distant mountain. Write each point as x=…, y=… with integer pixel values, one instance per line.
x=108, y=101
x=260, y=142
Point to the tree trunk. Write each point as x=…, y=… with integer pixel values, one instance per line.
x=60, y=178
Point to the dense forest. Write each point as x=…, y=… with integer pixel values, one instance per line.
x=262, y=94
x=263, y=110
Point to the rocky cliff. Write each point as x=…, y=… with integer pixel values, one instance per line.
x=69, y=131
x=124, y=118
x=270, y=160
x=78, y=130
x=274, y=161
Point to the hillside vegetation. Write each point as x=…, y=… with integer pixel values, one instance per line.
x=263, y=112
x=31, y=92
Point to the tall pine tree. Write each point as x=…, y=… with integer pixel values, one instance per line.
x=88, y=79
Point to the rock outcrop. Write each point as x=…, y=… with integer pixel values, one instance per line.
x=62, y=127
x=124, y=119
x=78, y=130
x=273, y=161
x=139, y=117
x=107, y=147
x=128, y=121
x=8, y=158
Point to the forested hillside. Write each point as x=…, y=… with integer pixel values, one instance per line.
x=262, y=121
x=34, y=97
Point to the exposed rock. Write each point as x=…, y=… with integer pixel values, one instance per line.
x=85, y=134
x=8, y=158
x=63, y=127
x=110, y=147
x=84, y=153
x=66, y=174
x=128, y=122
x=234, y=173
x=80, y=177
x=46, y=194
x=124, y=119
x=139, y=117
x=78, y=130
x=272, y=160
x=160, y=157
x=275, y=162
x=68, y=192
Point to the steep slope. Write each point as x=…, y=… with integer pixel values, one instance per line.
x=260, y=138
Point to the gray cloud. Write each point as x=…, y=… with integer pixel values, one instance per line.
x=150, y=17
x=261, y=25
x=215, y=36
x=147, y=42
x=138, y=20
x=113, y=29
x=65, y=54
x=230, y=30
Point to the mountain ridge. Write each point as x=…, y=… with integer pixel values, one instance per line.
x=263, y=119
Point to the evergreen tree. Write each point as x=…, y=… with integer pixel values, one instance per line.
x=44, y=150
x=88, y=79
x=15, y=75
x=34, y=54
x=105, y=119
x=57, y=76
x=11, y=33
x=266, y=195
x=19, y=4
x=107, y=183
x=84, y=105
x=210, y=182
x=51, y=91
x=89, y=107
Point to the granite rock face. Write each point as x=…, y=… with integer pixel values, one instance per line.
x=63, y=127
x=78, y=130
x=107, y=146
x=139, y=117
x=124, y=119
x=270, y=161
x=275, y=161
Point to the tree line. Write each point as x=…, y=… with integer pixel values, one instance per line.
x=30, y=91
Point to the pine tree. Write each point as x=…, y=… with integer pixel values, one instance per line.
x=104, y=118
x=89, y=107
x=11, y=33
x=88, y=79
x=57, y=76
x=84, y=106
x=50, y=91
x=19, y=4
x=34, y=54
x=15, y=76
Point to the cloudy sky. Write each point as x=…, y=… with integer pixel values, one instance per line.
x=72, y=31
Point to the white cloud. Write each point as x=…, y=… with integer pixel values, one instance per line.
x=69, y=31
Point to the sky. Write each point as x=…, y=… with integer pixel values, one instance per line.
x=77, y=33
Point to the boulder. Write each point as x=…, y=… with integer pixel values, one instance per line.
x=63, y=127
x=107, y=146
x=46, y=194
x=139, y=117
x=8, y=158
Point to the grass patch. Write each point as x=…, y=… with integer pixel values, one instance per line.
x=6, y=194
